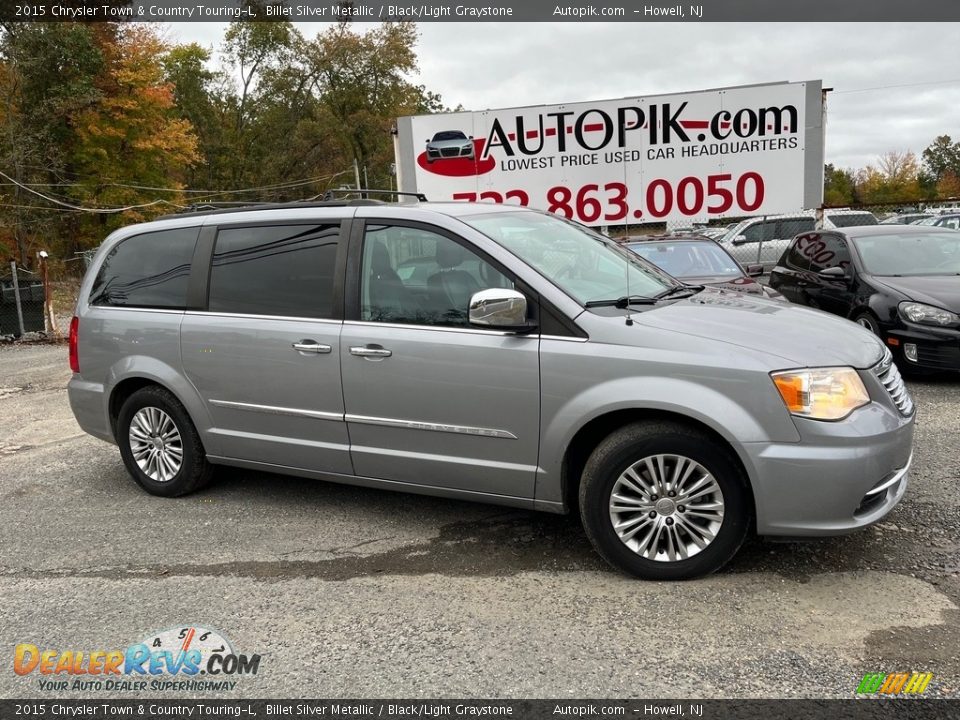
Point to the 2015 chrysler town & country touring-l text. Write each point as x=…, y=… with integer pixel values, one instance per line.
x=490, y=353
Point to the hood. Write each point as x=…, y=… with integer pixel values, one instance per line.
x=453, y=142
x=940, y=290
x=801, y=336
x=742, y=284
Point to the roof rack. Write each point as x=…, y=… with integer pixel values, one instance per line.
x=224, y=208
x=363, y=192
x=329, y=200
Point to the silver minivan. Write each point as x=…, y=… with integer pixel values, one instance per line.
x=489, y=353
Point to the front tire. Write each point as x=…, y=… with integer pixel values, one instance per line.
x=160, y=445
x=867, y=321
x=662, y=501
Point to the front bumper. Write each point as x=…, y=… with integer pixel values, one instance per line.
x=841, y=476
x=938, y=349
x=449, y=152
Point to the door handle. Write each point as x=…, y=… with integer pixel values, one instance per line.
x=370, y=351
x=311, y=346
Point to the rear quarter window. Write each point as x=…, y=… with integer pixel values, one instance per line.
x=151, y=270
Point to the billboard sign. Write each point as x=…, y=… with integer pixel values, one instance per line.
x=748, y=150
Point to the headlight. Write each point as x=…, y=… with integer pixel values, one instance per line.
x=821, y=393
x=927, y=314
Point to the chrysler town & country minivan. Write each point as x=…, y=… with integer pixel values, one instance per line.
x=489, y=353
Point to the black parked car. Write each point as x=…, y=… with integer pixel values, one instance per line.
x=901, y=282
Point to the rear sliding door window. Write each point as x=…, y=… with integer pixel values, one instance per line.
x=283, y=270
x=148, y=271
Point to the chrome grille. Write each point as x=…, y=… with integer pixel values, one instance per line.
x=888, y=374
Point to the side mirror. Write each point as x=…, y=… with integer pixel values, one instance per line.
x=754, y=270
x=832, y=273
x=739, y=239
x=470, y=138
x=499, y=309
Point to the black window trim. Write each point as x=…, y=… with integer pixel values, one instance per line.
x=352, y=299
x=203, y=263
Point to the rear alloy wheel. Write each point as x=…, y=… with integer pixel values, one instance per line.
x=159, y=444
x=664, y=502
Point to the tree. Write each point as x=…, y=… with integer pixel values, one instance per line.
x=133, y=136
x=940, y=157
x=839, y=186
x=199, y=96
x=363, y=86
x=949, y=185
x=895, y=179
x=48, y=73
x=253, y=50
x=88, y=121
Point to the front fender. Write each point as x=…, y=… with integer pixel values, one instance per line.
x=684, y=397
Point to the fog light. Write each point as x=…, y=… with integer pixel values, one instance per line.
x=910, y=351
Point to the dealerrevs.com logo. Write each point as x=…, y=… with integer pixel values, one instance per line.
x=185, y=658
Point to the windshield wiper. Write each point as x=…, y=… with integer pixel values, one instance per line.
x=622, y=302
x=675, y=291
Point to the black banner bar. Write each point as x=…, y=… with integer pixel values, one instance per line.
x=858, y=11
x=566, y=709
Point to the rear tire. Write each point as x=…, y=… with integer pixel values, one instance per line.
x=160, y=445
x=650, y=497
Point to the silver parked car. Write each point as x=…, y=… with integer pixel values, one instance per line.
x=488, y=353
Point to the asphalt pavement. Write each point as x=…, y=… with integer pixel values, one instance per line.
x=352, y=592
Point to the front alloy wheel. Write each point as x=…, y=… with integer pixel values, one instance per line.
x=664, y=501
x=666, y=507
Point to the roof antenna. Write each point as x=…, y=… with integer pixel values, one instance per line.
x=629, y=319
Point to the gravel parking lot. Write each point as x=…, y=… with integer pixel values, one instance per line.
x=350, y=592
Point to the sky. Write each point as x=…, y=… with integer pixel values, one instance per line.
x=896, y=85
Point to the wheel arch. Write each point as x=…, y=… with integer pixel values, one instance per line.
x=152, y=373
x=592, y=433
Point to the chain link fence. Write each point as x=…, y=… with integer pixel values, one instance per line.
x=25, y=308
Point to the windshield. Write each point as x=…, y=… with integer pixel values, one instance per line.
x=913, y=254
x=449, y=135
x=688, y=259
x=585, y=265
x=851, y=219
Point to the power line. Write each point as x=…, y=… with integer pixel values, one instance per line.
x=97, y=211
x=38, y=207
x=893, y=87
x=277, y=186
